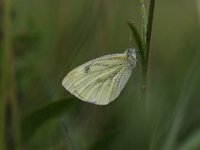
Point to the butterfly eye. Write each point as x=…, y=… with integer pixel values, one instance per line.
x=131, y=53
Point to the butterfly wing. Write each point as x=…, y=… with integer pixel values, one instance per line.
x=99, y=81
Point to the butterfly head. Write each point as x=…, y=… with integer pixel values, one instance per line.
x=131, y=57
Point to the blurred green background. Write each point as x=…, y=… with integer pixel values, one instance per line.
x=42, y=40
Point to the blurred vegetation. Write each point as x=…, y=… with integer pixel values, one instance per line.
x=41, y=41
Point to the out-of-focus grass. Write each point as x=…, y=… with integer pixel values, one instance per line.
x=52, y=37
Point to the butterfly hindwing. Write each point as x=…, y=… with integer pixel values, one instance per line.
x=99, y=81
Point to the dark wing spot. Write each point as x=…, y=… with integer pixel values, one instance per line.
x=87, y=69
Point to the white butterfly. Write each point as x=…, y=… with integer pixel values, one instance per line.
x=101, y=80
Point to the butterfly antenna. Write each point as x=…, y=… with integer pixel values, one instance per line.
x=68, y=139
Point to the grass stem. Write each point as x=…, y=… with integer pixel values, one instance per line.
x=8, y=95
x=144, y=21
x=149, y=28
x=147, y=43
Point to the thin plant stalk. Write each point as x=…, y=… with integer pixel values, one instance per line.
x=149, y=29
x=144, y=21
x=2, y=119
x=68, y=138
x=143, y=43
x=8, y=98
x=147, y=44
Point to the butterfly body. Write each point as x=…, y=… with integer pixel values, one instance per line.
x=101, y=80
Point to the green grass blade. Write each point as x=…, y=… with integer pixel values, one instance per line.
x=104, y=142
x=189, y=87
x=192, y=142
x=34, y=120
x=144, y=21
x=138, y=41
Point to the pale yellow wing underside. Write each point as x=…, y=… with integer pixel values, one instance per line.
x=99, y=81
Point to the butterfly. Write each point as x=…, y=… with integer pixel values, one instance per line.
x=101, y=80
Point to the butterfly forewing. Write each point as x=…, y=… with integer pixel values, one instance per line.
x=99, y=81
